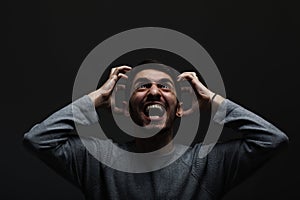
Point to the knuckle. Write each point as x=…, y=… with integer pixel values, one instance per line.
x=114, y=76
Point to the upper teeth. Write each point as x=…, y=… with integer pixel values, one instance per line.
x=154, y=106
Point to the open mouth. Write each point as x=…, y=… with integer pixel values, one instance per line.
x=154, y=111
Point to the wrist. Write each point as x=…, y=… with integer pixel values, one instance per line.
x=216, y=101
x=94, y=96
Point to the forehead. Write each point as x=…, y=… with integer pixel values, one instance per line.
x=152, y=75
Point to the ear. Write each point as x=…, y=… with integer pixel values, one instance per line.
x=191, y=102
x=115, y=108
x=179, y=111
x=126, y=109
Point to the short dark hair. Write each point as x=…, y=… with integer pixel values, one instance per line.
x=156, y=65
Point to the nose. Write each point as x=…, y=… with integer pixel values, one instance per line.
x=154, y=92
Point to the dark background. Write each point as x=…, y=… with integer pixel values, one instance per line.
x=255, y=45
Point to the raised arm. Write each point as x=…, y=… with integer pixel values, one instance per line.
x=230, y=162
x=241, y=157
x=56, y=129
x=54, y=140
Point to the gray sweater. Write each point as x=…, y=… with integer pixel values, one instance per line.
x=190, y=177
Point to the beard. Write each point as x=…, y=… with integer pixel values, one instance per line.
x=150, y=126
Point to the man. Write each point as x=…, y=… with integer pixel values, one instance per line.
x=154, y=107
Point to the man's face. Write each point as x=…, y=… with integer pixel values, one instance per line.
x=153, y=100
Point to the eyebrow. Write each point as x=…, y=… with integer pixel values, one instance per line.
x=163, y=80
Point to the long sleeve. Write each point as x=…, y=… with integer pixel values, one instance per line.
x=57, y=128
x=54, y=140
x=256, y=130
x=56, y=143
x=231, y=162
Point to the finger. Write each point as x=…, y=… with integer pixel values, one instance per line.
x=122, y=76
x=117, y=70
x=193, y=74
x=187, y=76
x=112, y=70
x=124, y=68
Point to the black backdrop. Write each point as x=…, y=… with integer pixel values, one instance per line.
x=255, y=45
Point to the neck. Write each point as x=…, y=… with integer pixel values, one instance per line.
x=162, y=142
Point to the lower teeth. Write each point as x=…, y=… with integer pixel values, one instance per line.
x=154, y=117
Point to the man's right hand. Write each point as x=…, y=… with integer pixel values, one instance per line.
x=101, y=97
